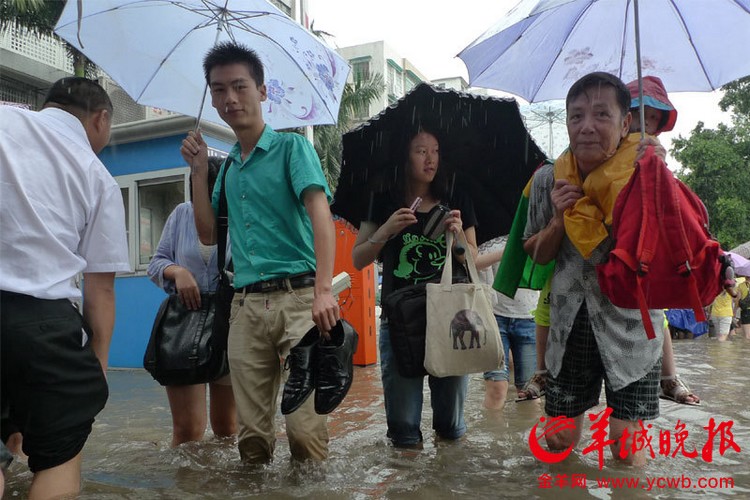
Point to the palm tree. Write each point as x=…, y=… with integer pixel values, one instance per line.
x=355, y=102
x=39, y=17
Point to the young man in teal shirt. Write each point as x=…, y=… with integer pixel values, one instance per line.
x=283, y=246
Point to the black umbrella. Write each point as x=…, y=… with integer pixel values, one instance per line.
x=484, y=142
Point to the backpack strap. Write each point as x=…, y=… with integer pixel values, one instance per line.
x=672, y=226
x=647, y=242
x=648, y=239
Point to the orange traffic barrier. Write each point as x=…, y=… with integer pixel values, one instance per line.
x=358, y=302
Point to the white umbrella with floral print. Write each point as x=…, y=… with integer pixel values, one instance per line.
x=541, y=47
x=154, y=50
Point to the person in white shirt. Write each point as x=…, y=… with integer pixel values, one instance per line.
x=516, y=324
x=61, y=214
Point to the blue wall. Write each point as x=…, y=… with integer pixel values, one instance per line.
x=137, y=301
x=137, y=298
x=150, y=155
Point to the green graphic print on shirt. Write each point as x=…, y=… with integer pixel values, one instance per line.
x=420, y=258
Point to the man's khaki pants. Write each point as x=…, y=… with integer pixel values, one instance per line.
x=264, y=326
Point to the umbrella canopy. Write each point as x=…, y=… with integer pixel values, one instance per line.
x=154, y=50
x=742, y=250
x=484, y=142
x=542, y=47
x=740, y=263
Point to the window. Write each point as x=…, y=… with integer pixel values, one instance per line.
x=395, y=80
x=412, y=81
x=283, y=6
x=361, y=70
x=156, y=200
x=149, y=198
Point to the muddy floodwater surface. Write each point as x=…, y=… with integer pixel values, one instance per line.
x=128, y=454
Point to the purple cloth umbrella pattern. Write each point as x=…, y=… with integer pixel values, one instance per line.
x=541, y=47
x=740, y=263
x=154, y=50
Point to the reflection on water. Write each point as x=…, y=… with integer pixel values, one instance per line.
x=128, y=454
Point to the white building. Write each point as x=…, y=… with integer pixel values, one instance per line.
x=453, y=82
x=398, y=73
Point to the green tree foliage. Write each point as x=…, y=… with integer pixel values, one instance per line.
x=716, y=165
x=355, y=102
x=40, y=17
x=737, y=99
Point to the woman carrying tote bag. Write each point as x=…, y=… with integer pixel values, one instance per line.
x=183, y=266
x=395, y=234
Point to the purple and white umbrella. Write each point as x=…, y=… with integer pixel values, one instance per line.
x=154, y=50
x=740, y=263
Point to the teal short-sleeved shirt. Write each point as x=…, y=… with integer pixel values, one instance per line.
x=269, y=226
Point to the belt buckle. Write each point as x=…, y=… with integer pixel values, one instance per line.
x=267, y=285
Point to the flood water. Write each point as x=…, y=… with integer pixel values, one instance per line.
x=128, y=454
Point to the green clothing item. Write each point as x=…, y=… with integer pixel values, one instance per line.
x=517, y=270
x=269, y=227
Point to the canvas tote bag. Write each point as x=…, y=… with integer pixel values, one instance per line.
x=462, y=333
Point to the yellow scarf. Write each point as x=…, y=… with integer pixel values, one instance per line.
x=586, y=222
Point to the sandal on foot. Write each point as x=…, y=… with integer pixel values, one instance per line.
x=535, y=387
x=674, y=389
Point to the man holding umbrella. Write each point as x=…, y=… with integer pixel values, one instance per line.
x=283, y=245
x=590, y=338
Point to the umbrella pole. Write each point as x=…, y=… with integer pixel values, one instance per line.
x=200, y=110
x=642, y=114
x=219, y=23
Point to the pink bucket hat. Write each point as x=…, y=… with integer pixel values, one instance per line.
x=654, y=95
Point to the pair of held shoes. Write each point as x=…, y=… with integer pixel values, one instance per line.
x=322, y=365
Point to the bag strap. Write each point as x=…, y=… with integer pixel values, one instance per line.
x=672, y=226
x=222, y=223
x=647, y=237
x=446, y=279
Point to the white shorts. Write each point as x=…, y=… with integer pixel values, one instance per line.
x=722, y=325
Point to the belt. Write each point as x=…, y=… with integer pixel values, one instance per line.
x=272, y=285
